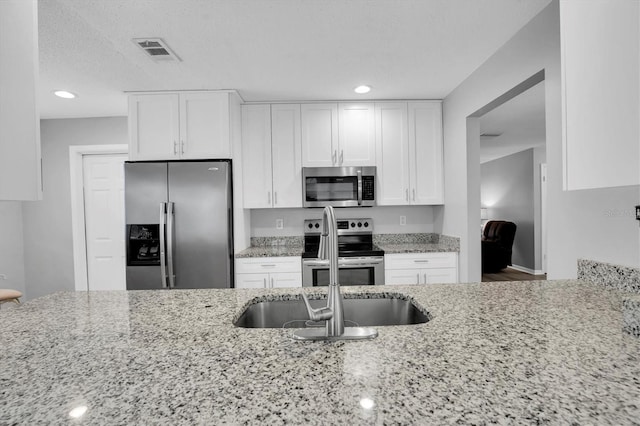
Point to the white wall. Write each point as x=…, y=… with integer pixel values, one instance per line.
x=386, y=219
x=48, y=243
x=11, y=246
x=507, y=191
x=578, y=223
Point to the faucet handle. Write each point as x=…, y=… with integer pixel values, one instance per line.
x=321, y=314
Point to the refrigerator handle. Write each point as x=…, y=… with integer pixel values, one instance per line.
x=163, y=263
x=170, y=222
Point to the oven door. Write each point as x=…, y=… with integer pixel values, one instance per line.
x=352, y=271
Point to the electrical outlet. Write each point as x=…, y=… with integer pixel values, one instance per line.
x=403, y=220
x=279, y=223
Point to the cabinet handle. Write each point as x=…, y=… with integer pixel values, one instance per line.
x=334, y=157
x=341, y=156
x=267, y=265
x=264, y=282
x=275, y=198
x=175, y=147
x=414, y=194
x=425, y=278
x=268, y=198
x=182, y=147
x=421, y=261
x=417, y=278
x=406, y=195
x=271, y=282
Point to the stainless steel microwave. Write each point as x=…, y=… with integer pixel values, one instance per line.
x=338, y=186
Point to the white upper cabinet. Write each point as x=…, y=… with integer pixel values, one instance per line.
x=356, y=135
x=392, y=157
x=154, y=130
x=409, y=153
x=184, y=125
x=286, y=155
x=271, y=156
x=256, y=156
x=600, y=54
x=20, y=161
x=338, y=134
x=204, y=129
x=319, y=135
x=425, y=147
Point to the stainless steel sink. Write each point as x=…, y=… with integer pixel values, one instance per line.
x=357, y=312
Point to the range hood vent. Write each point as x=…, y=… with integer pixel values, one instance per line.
x=156, y=49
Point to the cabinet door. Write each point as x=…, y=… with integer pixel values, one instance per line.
x=252, y=280
x=425, y=147
x=356, y=135
x=319, y=134
x=204, y=131
x=600, y=61
x=256, y=156
x=392, y=156
x=402, y=276
x=286, y=155
x=285, y=279
x=154, y=127
x=439, y=275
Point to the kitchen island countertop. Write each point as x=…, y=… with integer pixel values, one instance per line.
x=508, y=352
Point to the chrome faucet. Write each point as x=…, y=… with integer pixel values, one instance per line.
x=333, y=313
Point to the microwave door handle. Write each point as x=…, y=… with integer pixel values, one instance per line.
x=163, y=230
x=359, y=187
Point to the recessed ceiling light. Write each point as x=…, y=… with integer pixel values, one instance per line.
x=78, y=412
x=64, y=94
x=362, y=89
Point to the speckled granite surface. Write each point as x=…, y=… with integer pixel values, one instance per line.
x=416, y=243
x=273, y=247
x=507, y=353
x=607, y=274
x=390, y=243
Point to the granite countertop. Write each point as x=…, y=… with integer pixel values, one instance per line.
x=390, y=243
x=526, y=352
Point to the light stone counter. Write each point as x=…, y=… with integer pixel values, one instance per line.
x=509, y=353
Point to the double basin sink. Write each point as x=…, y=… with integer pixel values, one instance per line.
x=359, y=310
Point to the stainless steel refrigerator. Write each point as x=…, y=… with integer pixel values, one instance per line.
x=179, y=224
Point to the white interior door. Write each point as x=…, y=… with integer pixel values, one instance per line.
x=103, y=178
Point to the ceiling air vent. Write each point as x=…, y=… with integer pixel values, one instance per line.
x=156, y=49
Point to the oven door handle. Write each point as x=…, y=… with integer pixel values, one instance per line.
x=347, y=262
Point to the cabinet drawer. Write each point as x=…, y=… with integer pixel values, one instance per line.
x=268, y=264
x=421, y=260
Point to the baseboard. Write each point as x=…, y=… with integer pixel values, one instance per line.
x=526, y=270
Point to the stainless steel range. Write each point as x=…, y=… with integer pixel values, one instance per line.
x=360, y=261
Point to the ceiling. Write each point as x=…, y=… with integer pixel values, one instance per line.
x=520, y=122
x=267, y=50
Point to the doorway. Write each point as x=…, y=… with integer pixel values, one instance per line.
x=97, y=197
x=512, y=179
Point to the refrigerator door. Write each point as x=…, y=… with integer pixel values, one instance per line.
x=202, y=248
x=145, y=191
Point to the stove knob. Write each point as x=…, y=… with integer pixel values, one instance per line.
x=366, y=224
x=310, y=225
x=359, y=224
x=353, y=224
x=317, y=225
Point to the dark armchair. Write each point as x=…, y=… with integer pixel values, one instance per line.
x=497, y=243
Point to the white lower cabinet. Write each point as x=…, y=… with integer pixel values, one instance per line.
x=269, y=272
x=420, y=268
